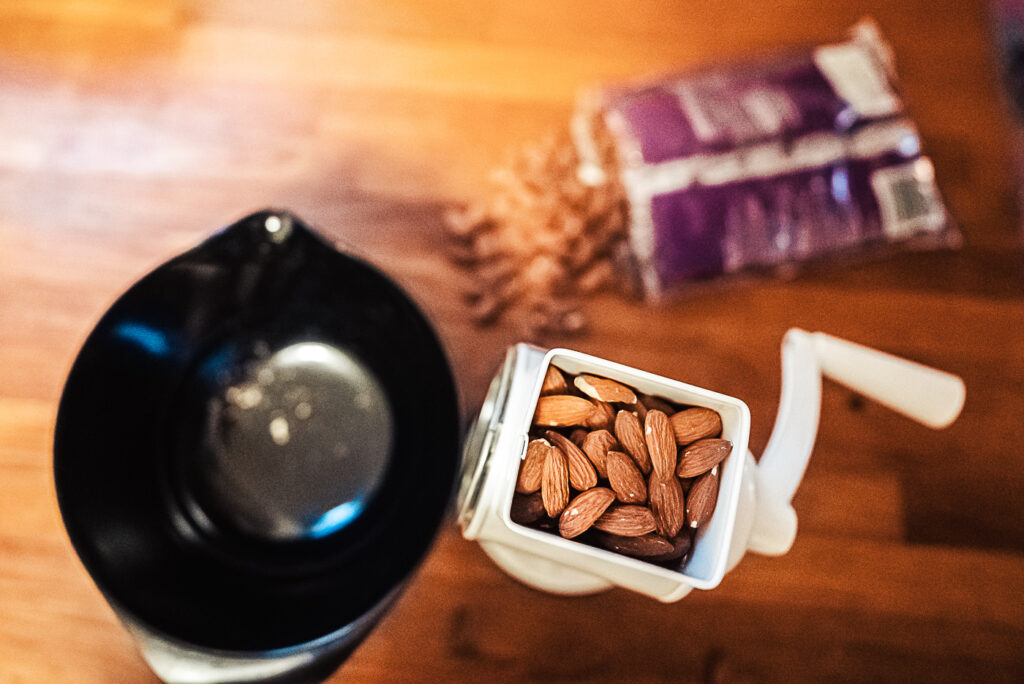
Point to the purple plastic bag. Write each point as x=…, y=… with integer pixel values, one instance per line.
x=780, y=162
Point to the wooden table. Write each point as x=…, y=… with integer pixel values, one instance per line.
x=130, y=130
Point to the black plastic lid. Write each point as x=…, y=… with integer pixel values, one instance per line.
x=257, y=442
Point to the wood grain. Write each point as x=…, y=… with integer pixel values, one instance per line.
x=129, y=131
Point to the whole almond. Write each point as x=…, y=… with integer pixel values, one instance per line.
x=625, y=478
x=596, y=277
x=577, y=436
x=492, y=302
x=695, y=423
x=644, y=546
x=554, y=485
x=681, y=544
x=627, y=520
x=582, y=475
x=641, y=412
x=631, y=437
x=667, y=504
x=657, y=404
x=562, y=410
x=554, y=382
x=700, y=504
x=702, y=456
x=582, y=511
x=661, y=443
x=604, y=389
x=465, y=222
x=527, y=508
x=531, y=470
x=602, y=417
x=596, y=446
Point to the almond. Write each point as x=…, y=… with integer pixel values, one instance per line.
x=702, y=456
x=641, y=411
x=657, y=403
x=667, y=504
x=597, y=277
x=582, y=511
x=465, y=223
x=602, y=417
x=532, y=468
x=577, y=436
x=626, y=479
x=695, y=423
x=596, y=446
x=527, y=508
x=604, y=389
x=700, y=504
x=631, y=437
x=554, y=485
x=681, y=544
x=582, y=475
x=554, y=382
x=562, y=410
x=644, y=546
x=661, y=443
x=626, y=520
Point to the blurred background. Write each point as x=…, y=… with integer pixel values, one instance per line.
x=131, y=130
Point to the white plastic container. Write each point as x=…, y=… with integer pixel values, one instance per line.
x=497, y=443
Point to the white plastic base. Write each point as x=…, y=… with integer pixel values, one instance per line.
x=541, y=573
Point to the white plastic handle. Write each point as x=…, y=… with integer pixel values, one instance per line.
x=929, y=396
x=796, y=424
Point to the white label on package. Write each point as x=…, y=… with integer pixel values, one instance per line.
x=857, y=78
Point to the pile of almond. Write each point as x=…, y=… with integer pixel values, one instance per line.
x=541, y=241
x=612, y=467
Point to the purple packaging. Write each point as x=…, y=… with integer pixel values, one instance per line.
x=780, y=162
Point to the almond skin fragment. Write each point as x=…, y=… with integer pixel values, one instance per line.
x=582, y=475
x=631, y=437
x=625, y=478
x=602, y=418
x=695, y=423
x=661, y=443
x=702, y=456
x=531, y=470
x=645, y=546
x=554, y=485
x=562, y=410
x=582, y=511
x=703, y=497
x=596, y=446
x=604, y=389
x=667, y=504
x=626, y=520
x=527, y=508
x=554, y=382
